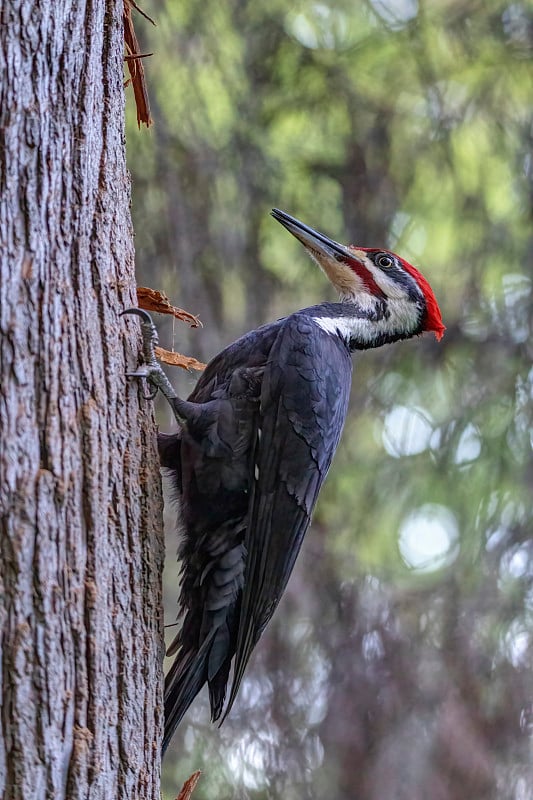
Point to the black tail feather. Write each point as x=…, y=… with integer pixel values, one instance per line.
x=182, y=683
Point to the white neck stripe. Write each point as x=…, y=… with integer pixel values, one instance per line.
x=403, y=319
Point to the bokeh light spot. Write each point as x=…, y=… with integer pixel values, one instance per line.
x=406, y=431
x=429, y=538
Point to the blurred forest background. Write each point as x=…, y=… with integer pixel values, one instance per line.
x=399, y=662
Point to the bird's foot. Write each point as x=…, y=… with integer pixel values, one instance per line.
x=151, y=369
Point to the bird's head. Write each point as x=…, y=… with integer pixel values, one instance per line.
x=367, y=276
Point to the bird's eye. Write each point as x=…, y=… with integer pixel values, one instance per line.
x=384, y=261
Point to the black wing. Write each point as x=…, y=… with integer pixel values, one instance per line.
x=211, y=469
x=304, y=399
x=262, y=427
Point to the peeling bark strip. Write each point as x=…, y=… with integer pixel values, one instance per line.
x=135, y=66
x=179, y=360
x=81, y=542
x=189, y=786
x=152, y=300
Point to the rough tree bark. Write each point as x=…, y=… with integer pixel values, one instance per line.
x=80, y=505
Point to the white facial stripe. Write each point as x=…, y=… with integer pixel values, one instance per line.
x=345, y=327
x=403, y=318
x=388, y=286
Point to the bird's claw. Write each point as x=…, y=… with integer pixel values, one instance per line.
x=151, y=370
x=144, y=373
x=149, y=333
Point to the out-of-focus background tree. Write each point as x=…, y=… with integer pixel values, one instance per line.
x=399, y=662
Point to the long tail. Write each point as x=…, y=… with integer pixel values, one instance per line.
x=182, y=683
x=211, y=661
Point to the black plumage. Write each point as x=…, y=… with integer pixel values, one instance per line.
x=248, y=470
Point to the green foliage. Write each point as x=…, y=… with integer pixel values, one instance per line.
x=399, y=656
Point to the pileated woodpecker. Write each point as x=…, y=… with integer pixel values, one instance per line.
x=255, y=441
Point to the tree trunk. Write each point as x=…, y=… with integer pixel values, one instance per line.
x=81, y=541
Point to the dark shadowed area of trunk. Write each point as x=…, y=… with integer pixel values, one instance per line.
x=81, y=547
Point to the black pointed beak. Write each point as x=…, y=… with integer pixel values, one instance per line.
x=313, y=240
